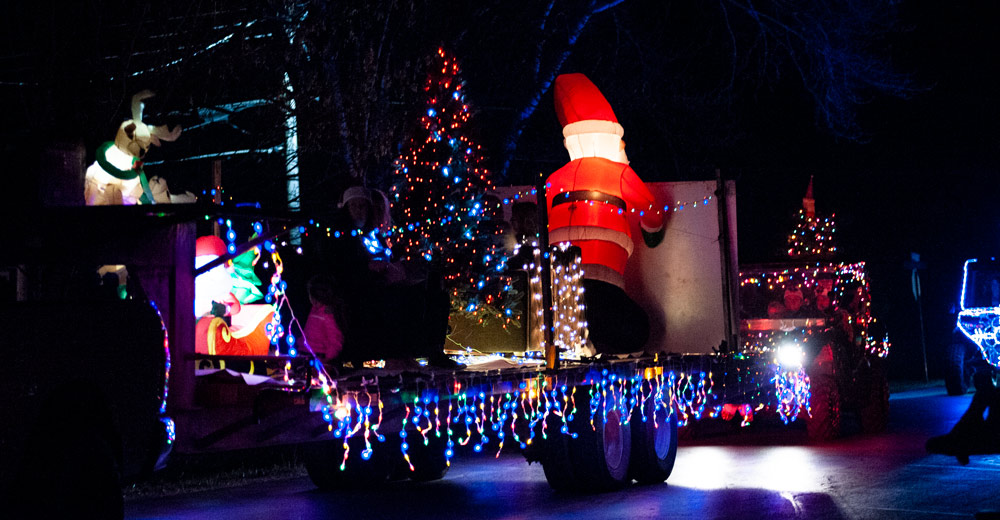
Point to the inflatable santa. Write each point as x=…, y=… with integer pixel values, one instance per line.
x=590, y=200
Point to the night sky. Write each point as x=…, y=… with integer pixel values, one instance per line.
x=922, y=180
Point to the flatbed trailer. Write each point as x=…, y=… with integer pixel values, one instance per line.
x=112, y=387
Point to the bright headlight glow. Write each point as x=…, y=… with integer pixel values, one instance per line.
x=789, y=356
x=342, y=412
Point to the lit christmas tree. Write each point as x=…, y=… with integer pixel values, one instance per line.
x=438, y=200
x=813, y=234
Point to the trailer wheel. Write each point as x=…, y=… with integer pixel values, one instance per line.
x=875, y=410
x=323, y=463
x=600, y=454
x=956, y=371
x=654, y=445
x=555, y=458
x=824, y=424
x=399, y=469
x=429, y=461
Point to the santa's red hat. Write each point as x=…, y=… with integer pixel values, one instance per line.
x=581, y=108
x=209, y=245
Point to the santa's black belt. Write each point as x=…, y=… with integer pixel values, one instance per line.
x=587, y=196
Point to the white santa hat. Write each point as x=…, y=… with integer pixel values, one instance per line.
x=354, y=192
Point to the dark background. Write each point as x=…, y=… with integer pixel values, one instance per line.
x=920, y=176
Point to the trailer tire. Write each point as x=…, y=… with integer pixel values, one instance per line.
x=654, y=446
x=323, y=461
x=556, y=460
x=399, y=469
x=956, y=371
x=600, y=453
x=429, y=461
x=875, y=411
x=824, y=422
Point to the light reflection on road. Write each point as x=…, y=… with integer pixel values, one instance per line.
x=764, y=471
x=779, y=468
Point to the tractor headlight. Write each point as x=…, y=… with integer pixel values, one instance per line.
x=790, y=356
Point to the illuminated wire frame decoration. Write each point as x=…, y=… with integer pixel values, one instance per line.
x=813, y=233
x=439, y=193
x=979, y=318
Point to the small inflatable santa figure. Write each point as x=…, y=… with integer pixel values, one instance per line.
x=214, y=286
x=225, y=327
x=589, y=202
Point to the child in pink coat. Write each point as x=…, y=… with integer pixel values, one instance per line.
x=323, y=333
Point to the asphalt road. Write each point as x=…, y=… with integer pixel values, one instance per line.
x=765, y=471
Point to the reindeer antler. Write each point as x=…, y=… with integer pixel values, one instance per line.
x=137, y=100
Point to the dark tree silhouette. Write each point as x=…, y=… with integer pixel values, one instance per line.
x=682, y=72
x=684, y=67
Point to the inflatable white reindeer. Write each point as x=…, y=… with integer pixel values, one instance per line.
x=117, y=177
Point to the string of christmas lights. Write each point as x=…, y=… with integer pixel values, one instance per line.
x=486, y=207
x=813, y=233
x=813, y=236
x=515, y=410
x=168, y=423
x=829, y=293
x=667, y=208
x=791, y=389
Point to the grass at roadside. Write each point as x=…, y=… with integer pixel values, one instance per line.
x=191, y=474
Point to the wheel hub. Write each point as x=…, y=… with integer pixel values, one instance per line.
x=661, y=440
x=613, y=445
